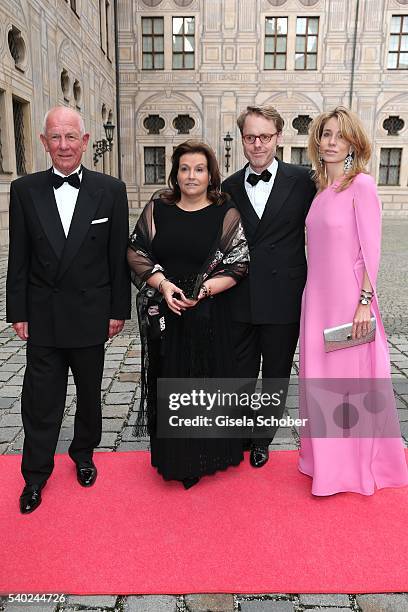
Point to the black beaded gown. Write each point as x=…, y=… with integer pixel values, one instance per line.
x=196, y=344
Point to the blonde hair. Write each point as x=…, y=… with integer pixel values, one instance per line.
x=352, y=131
x=267, y=111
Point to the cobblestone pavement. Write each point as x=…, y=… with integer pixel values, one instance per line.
x=120, y=390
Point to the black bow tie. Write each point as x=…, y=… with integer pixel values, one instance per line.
x=253, y=179
x=73, y=179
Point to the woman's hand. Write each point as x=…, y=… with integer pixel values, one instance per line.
x=174, y=296
x=190, y=303
x=361, y=321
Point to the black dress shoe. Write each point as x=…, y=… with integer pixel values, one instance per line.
x=86, y=473
x=259, y=456
x=190, y=482
x=30, y=498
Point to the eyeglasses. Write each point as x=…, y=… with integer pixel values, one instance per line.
x=264, y=138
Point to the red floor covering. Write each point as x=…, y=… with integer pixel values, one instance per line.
x=241, y=531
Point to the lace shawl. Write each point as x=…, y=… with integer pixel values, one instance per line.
x=229, y=256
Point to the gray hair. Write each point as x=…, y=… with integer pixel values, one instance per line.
x=51, y=110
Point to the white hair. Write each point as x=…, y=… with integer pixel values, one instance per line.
x=51, y=110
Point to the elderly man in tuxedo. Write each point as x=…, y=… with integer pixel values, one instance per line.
x=273, y=198
x=68, y=291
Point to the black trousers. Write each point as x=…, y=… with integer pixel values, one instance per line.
x=43, y=402
x=276, y=344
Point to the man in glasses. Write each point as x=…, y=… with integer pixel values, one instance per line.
x=273, y=198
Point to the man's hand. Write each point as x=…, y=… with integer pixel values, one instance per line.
x=21, y=330
x=115, y=327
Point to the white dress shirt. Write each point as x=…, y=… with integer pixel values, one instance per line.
x=258, y=194
x=66, y=197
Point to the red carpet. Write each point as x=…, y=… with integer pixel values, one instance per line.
x=242, y=531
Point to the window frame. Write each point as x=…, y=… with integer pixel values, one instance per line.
x=400, y=34
x=153, y=53
x=303, y=154
x=275, y=53
x=388, y=167
x=305, y=53
x=183, y=53
x=155, y=165
x=24, y=108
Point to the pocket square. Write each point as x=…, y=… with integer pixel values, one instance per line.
x=95, y=221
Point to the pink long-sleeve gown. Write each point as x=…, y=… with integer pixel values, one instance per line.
x=343, y=238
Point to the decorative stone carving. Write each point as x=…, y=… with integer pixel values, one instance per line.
x=151, y=2
x=183, y=2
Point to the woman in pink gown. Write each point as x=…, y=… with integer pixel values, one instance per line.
x=343, y=247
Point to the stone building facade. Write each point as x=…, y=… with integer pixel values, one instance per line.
x=52, y=52
x=187, y=68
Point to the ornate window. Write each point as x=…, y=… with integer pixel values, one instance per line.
x=301, y=124
x=393, y=124
x=19, y=139
x=155, y=165
x=65, y=84
x=390, y=164
x=153, y=43
x=279, y=153
x=299, y=157
x=154, y=123
x=183, y=43
x=16, y=46
x=276, y=33
x=183, y=124
x=307, y=32
x=77, y=93
x=398, y=46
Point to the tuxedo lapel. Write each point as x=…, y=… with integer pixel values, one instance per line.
x=282, y=186
x=242, y=202
x=89, y=197
x=47, y=211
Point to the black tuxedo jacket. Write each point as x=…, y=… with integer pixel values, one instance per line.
x=68, y=288
x=272, y=292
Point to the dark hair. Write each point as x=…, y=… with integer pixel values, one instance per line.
x=214, y=193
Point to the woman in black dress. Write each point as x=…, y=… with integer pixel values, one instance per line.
x=186, y=250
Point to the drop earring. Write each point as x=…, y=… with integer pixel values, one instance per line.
x=348, y=162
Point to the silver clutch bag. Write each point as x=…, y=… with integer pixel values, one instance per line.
x=336, y=338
